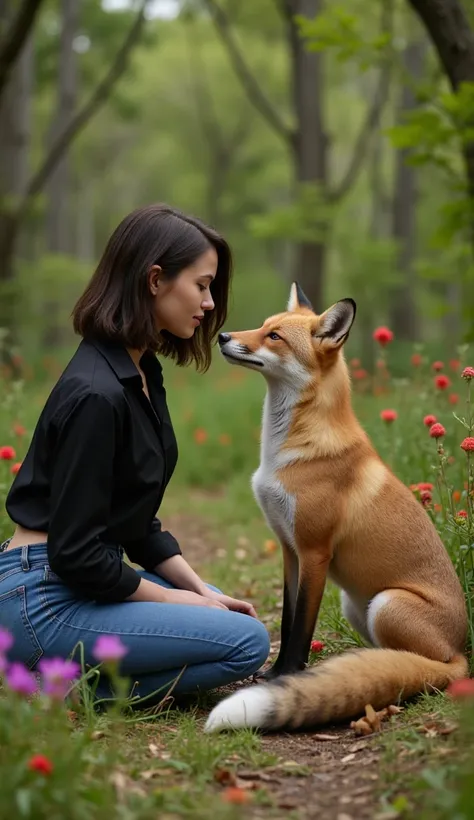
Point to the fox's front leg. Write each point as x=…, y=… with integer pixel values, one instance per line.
x=313, y=567
x=290, y=592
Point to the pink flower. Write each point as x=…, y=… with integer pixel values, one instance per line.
x=468, y=444
x=442, y=382
x=57, y=675
x=3, y=664
x=6, y=640
x=109, y=648
x=383, y=335
x=429, y=420
x=454, y=364
x=388, y=416
x=453, y=398
x=317, y=646
x=437, y=431
x=20, y=680
x=468, y=373
x=437, y=366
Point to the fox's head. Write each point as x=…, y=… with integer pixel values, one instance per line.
x=295, y=344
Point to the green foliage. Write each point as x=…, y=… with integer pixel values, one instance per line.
x=344, y=31
x=305, y=219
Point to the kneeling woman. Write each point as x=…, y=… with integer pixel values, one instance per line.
x=100, y=459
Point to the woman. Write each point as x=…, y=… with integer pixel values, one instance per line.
x=100, y=459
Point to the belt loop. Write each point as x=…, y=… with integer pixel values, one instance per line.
x=24, y=558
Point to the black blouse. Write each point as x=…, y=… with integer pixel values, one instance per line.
x=96, y=470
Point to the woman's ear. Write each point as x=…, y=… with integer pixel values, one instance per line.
x=154, y=279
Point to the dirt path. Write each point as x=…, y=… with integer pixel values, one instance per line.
x=332, y=779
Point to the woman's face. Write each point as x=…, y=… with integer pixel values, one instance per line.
x=180, y=304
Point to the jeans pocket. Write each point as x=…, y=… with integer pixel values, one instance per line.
x=14, y=617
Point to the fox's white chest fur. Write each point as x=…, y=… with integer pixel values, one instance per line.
x=277, y=505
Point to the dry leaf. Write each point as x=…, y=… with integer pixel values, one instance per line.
x=372, y=720
x=347, y=758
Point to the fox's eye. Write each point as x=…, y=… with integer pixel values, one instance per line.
x=274, y=336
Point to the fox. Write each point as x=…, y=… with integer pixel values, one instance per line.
x=340, y=513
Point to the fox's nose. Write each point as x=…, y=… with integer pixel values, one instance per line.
x=223, y=338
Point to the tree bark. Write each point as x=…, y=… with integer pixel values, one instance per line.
x=404, y=318
x=59, y=232
x=309, y=145
x=17, y=32
x=448, y=27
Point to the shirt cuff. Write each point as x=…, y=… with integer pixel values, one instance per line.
x=153, y=548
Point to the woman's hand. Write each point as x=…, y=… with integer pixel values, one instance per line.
x=183, y=596
x=232, y=603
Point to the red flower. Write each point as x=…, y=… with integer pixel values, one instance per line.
x=383, y=335
x=426, y=498
x=389, y=415
x=416, y=359
x=437, y=366
x=468, y=444
x=18, y=429
x=453, y=398
x=41, y=764
x=442, y=382
x=15, y=467
x=317, y=646
x=360, y=374
x=461, y=514
x=7, y=453
x=425, y=485
x=234, y=794
x=355, y=362
x=200, y=435
x=429, y=420
x=454, y=364
x=463, y=688
x=437, y=430
x=468, y=373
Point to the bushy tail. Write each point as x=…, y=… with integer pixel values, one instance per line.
x=335, y=690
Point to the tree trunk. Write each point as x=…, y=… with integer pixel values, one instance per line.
x=309, y=147
x=59, y=229
x=404, y=318
x=15, y=129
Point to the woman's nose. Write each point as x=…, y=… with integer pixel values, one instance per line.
x=208, y=303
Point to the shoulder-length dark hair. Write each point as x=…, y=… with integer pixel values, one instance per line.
x=117, y=304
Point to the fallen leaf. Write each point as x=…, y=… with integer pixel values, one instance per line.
x=348, y=758
x=372, y=720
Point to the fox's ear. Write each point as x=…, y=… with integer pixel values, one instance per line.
x=297, y=298
x=335, y=324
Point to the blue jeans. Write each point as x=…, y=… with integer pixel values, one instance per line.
x=47, y=619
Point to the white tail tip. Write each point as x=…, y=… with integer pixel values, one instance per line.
x=246, y=709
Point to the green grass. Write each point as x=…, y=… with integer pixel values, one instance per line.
x=144, y=766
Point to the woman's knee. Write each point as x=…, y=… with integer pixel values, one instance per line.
x=255, y=646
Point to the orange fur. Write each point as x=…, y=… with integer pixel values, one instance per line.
x=344, y=514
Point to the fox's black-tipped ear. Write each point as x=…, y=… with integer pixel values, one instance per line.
x=336, y=322
x=298, y=298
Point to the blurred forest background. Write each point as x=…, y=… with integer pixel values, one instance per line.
x=332, y=143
